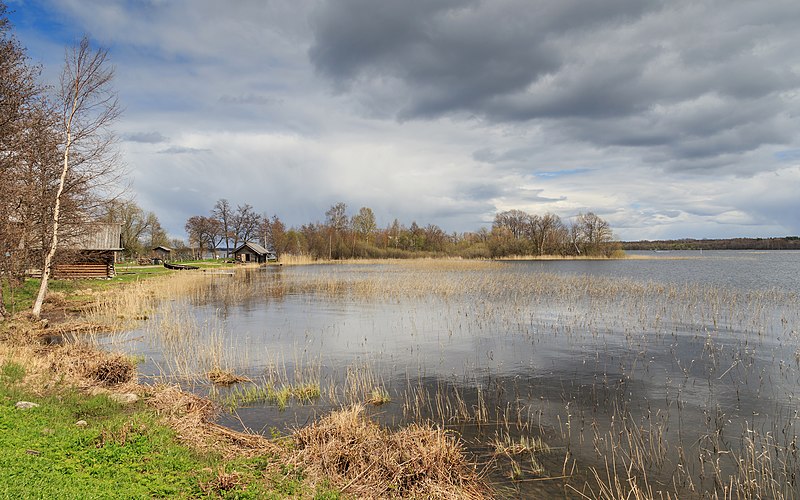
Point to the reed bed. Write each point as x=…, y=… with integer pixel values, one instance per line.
x=686, y=390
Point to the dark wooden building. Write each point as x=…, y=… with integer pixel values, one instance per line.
x=90, y=254
x=160, y=254
x=252, y=252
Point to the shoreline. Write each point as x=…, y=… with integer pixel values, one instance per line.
x=48, y=371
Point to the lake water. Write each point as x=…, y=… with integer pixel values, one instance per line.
x=687, y=361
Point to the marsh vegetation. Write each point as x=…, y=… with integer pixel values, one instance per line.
x=570, y=379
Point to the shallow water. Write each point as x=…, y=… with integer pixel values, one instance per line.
x=691, y=355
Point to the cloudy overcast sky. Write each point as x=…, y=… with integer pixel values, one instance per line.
x=669, y=118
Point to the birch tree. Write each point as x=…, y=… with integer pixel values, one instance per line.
x=87, y=107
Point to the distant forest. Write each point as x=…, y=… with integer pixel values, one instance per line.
x=346, y=236
x=785, y=243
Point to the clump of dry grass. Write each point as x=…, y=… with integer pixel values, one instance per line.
x=362, y=459
x=56, y=299
x=185, y=410
x=73, y=328
x=111, y=370
x=221, y=482
x=222, y=377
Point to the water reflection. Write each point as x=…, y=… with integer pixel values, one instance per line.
x=598, y=358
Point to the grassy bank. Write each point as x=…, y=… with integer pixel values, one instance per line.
x=76, y=292
x=92, y=432
x=47, y=452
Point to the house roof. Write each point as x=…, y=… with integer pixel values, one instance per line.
x=96, y=236
x=254, y=247
x=166, y=249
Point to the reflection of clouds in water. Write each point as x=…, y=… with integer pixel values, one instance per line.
x=541, y=340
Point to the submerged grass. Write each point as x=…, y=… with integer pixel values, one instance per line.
x=267, y=393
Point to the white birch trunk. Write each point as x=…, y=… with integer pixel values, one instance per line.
x=48, y=259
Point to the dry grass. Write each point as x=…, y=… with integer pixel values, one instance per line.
x=562, y=257
x=297, y=260
x=192, y=418
x=222, y=377
x=222, y=482
x=70, y=363
x=367, y=461
x=112, y=370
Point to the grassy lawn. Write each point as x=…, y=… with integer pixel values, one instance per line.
x=21, y=298
x=121, y=452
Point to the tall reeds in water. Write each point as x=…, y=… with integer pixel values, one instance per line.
x=641, y=449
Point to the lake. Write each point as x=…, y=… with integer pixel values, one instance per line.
x=682, y=368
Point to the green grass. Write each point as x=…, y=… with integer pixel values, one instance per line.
x=24, y=294
x=123, y=452
x=253, y=393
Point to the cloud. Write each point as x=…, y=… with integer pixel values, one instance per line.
x=146, y=137
x=249, y=99
x=671, y=119
x=183, y=150
x=677, y=80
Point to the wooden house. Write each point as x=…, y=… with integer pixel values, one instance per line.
x=89, y=254
x=160, y=254
x=252, y=252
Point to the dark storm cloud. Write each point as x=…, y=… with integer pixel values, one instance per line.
x=450, y=55
x=689, y=81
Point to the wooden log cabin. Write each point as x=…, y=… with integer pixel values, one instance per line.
x=250, y=252
x=91, y=254
x=160, y=254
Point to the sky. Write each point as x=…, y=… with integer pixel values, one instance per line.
x=669, y=119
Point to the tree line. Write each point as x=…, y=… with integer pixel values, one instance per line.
x=343, y=235
x=785, y=243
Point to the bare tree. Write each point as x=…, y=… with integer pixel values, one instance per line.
x=244, y=224
x=205, y=232
x=224, y=213
x=594, y=232
x=88, y=107
x=26, y=151
x=516, y=221
x=275, y=235
x=156, y=235
x=336, y=222
x=134, y=224
x=546, y=233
